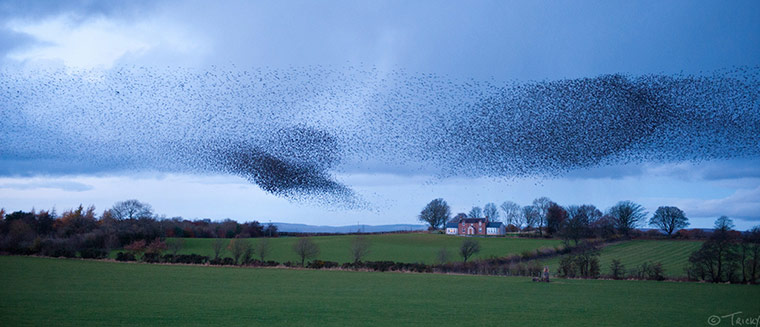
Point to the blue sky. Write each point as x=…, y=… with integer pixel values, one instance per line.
x=496, y=42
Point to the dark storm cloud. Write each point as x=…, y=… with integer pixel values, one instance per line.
x=289, y=131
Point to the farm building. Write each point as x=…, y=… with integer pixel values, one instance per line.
x=475, y=226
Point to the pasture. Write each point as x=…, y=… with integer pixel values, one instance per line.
x=69, y=292
x=409, y=248
x=674, y=255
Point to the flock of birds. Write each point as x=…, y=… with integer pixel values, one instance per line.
x=290, y=131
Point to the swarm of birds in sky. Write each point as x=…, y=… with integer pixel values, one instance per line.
x=291, y=130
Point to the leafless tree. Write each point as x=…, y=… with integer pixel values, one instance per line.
x=263, y=248
x=238, y=247
x=529, y=216
x=442, y=256
x=469, y=247
x=305, y=248
x=542, y=207
x=627, y=216
x=475, y=212
x=491, y=212
x=175, y=245
x=218, y=246
x=511, y=212
x=131, y=209
x=360, y=248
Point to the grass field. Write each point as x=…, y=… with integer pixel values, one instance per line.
x=410, y=248
x=674, y=255
x=68, y=292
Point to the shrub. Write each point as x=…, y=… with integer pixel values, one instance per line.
x=156, y=247
x=617, y=269
x=121, y=256
x=93, y=253
x=319, y=264
x=593, y=271
x=226, y=261
x=151, y=257
x=534, y=268
x=567, y=267
x=56, y=247
x=527, y=254
x=653, y=233
x=651, y=270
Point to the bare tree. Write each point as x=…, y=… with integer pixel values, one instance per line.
x=131, y=209
x=360, y=248
x=248, y=254
x=263, y=248
x=576, y=225
x=305, y=248
x=511, y=212
x=491, y=212
x=238, y=247
x=475, y=212
x=669, y=219
x=175, y=245
x=436, y=213
x=627, y=216
x=529, y=216
x=469, y=247
x=542, y=205
x=218, y=246
x=442, y=256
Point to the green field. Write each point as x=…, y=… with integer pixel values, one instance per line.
x=69, y=292
x=410, y=248
x=674, y=255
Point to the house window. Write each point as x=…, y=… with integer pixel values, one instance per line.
x=480, y=230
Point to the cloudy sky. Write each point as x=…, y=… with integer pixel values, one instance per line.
x=87, y=47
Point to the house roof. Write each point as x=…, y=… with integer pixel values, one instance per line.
x=452, y=225
x=494, y=224
x=473, y=220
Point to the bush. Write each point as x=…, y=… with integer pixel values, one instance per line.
x=593, y=271
x=151, y=257
x=617, y=269
x=527, y=254
x=654, y=234
x=56, y=247
x=186, y=259
x=567, y=267
x=319, y=264
x=93, y=253
x=651, y=271
x=121, y=256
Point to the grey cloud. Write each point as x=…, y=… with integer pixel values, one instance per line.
x=743, y=204
x=63, y=185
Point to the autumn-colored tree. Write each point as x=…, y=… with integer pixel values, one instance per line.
x=136, y=247
x=156, y=246
x=78, y=221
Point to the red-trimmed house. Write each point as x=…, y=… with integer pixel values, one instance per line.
x=475, y=227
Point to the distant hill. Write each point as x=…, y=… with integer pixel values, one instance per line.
x=302, y=228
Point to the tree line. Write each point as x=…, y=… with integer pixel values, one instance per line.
x=82, y=230
x=545, y=217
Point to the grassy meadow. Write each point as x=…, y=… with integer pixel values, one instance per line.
x=409, y=248
x=69, y=292
x=674, y=255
